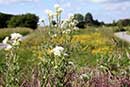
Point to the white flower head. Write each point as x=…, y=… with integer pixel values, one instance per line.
x=71, y=17
x=16, y=36
x=71, y=63
x=55, y=35
x=68, y=30
x=76, y=28
x=15, y=42
x=56, y=6
x=83, y=76
x=8, y=47
x=60, y=10
x=58, y=50
x=49, y=13
x=5, y=40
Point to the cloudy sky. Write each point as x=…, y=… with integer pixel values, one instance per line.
x=103, y=10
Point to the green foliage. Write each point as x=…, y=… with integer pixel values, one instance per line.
x=7, y=31
x=89, y=19
x=79, y=17
x=124, y=22
x=4, y=18
x=27, y=20
x=81, y=24
x=42, y=66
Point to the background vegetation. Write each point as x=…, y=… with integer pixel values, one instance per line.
x=26, y=20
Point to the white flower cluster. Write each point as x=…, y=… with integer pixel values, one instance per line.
x=82, y=76
x=58, y=51
x=50, y=14
x=13, y=41
x=58, y=9
x=57, y=13
x=69, y=23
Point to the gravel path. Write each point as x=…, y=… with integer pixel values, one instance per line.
x=123, y=36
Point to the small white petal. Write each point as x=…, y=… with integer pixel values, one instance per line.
x=8, y=47
x=5, y=40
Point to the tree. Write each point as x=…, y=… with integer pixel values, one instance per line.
x=96, y=23
x=27, y=20
x=4, y=18
x=79, y=17
x=89, y=19
x=124, y=22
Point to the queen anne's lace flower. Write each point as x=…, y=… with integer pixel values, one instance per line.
x=13, y=41
x=8, y=47
x=58, y=51
x=5, y=40
x=56, y=6
x=16, y=36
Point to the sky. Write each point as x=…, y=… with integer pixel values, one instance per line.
x=103, y=10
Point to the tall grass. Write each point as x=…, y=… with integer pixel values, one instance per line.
x=89, y=69
x=7, y=31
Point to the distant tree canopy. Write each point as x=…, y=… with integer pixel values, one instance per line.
x=4, y=18
x=24, y=20
x=89, y=19
x=79, y=17
x=123, y=22
x=27, y=20
x=86, y=20
x=120, y=23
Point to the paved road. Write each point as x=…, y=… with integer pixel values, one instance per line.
x=123, y=36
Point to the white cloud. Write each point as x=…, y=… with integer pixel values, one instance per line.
x=108, y=1
x=98, y=1
x=113, y=5
x=15, y=1
x=66, y=5
x=117, y=6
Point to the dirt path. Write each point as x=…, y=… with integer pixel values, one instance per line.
x=123, y=36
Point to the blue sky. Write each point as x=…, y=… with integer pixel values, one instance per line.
x=103, y=10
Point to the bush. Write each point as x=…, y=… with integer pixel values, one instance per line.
x=124, y=22
x=81, y=25
x=120, y=30
x=79, y=17
x=4, y=18
x=27, y=20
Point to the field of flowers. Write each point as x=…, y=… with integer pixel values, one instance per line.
x=64, y=56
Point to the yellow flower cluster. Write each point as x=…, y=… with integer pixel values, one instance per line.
x=61, y=39
x=95, y=39
x=102, y=50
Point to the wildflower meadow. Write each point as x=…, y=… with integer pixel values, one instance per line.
x=63, y=55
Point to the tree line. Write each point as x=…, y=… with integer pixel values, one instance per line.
x=88, y=20
x=24, y=20
x=31, y=21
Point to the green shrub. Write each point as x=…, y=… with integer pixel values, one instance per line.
x=4, y=18
x=27, y=20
